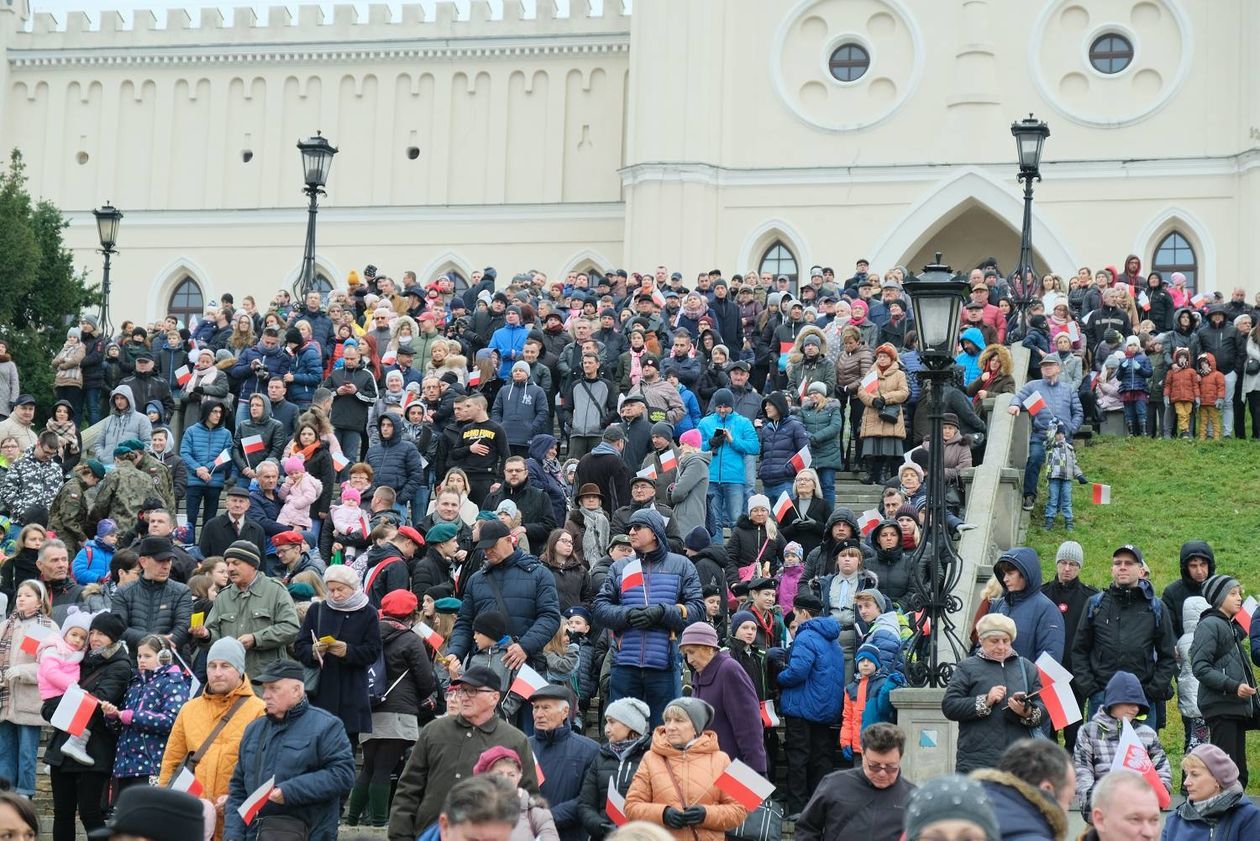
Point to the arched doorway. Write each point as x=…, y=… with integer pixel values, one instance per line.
x=778, y=259
x=969, y=236
x=186, y=301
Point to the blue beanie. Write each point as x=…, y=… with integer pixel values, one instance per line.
x=867, y=651
x=740, y=617
x=697, y=539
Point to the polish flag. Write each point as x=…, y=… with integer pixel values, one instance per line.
x=474, y=379
x=669, y=461
x=1093, y=380
x=74, y=711
x=1056, y=692
x=222, y=458
x=745, y=785
x=648, y=472
x=658, y=298
x=868, y=521
x=803, y=390
x=186, y=781
x=182, y=375
x=1034, y=403
x=1102, y=494
x=432, y=637
x=389, y=357
x=409, y=398
x=1144, y=300
x=538, y=772
x=769, y=718
x=35, y=635
x=339, y=461
x=781, y=506
x=802, y=459
x=1243, y=617
x=254, y=803
x=616, y=805
x=632, y=575
x=870, y=383
x=1199, y=300
x=527, y=682
x=1132, y=756
x=252, y=444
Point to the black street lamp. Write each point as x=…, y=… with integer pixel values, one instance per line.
x=317, y=155
x=108, y=219
x=937, y=297
x=1030, y=135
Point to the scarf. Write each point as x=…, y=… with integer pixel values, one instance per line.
x=12, y=626
x=307, y=451
x=356, y=601
x=67, y=434
x=604, y=448
x=636, y=364
x=620, y=749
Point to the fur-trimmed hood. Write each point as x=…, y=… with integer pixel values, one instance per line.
x=797, y=354
x=1001, y=352
x=1038, y=802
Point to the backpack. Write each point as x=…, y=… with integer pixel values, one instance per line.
x=1091, y=607
x=377, y=686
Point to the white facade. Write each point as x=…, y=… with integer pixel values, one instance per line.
x=694, y=133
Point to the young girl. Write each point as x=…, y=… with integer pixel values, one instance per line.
x=20, y=717
x=790, y=575
x=299, y=492
x=536, y=822
x=562, y=659
x=59, y=659
x=157, y=691
x=350, y=524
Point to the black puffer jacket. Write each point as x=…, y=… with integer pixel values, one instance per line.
x=747, y=540
x=395, y=461
x=537, y=514
x=1127, y=632
x=594, y=797
x=106, y=677
x=154, y=607
x=894, y=567
x=983, y=737
x=405, y=652
x=1218, y=658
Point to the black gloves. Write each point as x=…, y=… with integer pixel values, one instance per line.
x=878, y=402
x=715, y=441
x=1082, y=479
x=693, y=816
x=674, y=818
x=646, y=617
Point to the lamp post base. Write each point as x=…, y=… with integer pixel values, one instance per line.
x=931, y=739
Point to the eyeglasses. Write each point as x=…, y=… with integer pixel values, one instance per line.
x=469, y=691
x=881, y=767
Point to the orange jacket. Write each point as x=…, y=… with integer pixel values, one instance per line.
x=1212, y=384
x=1181, y=385
x=696, y=768
x=851, y=729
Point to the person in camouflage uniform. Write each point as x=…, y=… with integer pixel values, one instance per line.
x=68, y=515
x=124, y=490
x=159, y=474
x=35, y=478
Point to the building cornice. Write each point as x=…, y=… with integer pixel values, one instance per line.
x=324, y=52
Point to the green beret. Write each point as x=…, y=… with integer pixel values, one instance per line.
x=487, y=516
x=301, y=592
x=450, y=604
x=98, y=469
x=440, y=533
x=135, y=444
x=123, y=449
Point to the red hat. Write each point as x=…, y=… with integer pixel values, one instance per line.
x=399, y=604
x=412, y=535
x=490, y=756
x=287, y=538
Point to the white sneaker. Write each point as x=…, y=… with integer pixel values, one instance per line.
x=76, y=748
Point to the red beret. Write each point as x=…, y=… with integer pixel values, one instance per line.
x=287, y=538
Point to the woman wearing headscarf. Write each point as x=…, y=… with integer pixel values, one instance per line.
x=1216, y=807
x=341, y=637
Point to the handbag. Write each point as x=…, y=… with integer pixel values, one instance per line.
x=1252, y=368
x=891, y=412
x=282, y=828
x=765, y=823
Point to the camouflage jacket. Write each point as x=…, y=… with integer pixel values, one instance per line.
x=121, y=494
x=160, y=476
x=30, y=482
x=68, y=516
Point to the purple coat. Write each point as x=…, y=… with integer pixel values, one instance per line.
x=737, y=712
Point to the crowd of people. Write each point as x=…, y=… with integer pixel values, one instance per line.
x=337, y=561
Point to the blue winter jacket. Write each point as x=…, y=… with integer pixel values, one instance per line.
x=970, y=364
x=1062, y=403
x=564, y=757
x=307, y=368
x=395, y=461
x=670, y=580
x=276, y=360
x=154, y=699
x=541, y=479
x=309, y=755
x=522, y=410
x=199, y=447
x=691, y=411
x=529, y=592
x=728, y=459
x=779, y=442
x=814, y=672
x=1037, y=619
x=1134, y=373
x=509, y=341
x=1231, y=820
x=322, y=329
x=879, y=689
x=91, y=565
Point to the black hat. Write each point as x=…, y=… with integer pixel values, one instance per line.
x=650, y=360
x=109, y=624
x=157, y=548
x=949, y=418
x=440, y=591
x=492, y=531
x=238, y=490
x=740, y=364
x=24, y=400
x=491, y=623
x=144, y=356
x=279, y=670
x=761, y=583
x=162, y=814
x=292, y=336
x=808, y=601
x=554, y=691
x=478, y=677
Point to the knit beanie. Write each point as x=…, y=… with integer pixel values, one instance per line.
x=691, y=438
x=699, y=633
x=522, y=365
x=631, y=712
x=109, y=624
x=867, y=651
x=660, y=429
x=243, y=550
x=740, y=617
x=1217, y=587
x=793, y=548
x=351, y=494
x=1070, y=551
x=697, y=539
x=342, y=574
x=1218, y=763
x=491, y=623
x=294, y=464
x=700, y=712
x=758, y=501
x=230, y=651
x=76, y=618
x=950, y=797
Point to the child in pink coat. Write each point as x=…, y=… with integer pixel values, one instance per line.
x=299, y=491
x=59, y=659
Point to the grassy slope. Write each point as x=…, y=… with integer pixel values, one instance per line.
x=1164, y=493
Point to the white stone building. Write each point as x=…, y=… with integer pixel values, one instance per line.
x=586, y=134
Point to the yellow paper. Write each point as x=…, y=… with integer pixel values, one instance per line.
x=198, y=619
x=328, y=639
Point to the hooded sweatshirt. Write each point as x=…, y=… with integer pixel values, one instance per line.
x=1176, y=593
x=1037, y=620
x=970, y=361
x=267, y=428
x=120, y=425
x=1099, y=738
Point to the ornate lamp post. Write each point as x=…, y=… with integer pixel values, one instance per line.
x=108, y=219
x=937, y=297
x=1030, y=135
x=317, y=155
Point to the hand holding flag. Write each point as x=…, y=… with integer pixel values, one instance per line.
x=74, y=711
x=1034, y=403
x=801, y=460
x=781, y=506
x=616, y=805
x=1243, y=617
x=254, y=803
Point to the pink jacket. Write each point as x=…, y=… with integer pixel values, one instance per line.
x=298, y=499
x=58, y=666
x=789, y=584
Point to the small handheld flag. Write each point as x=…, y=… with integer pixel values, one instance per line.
x=801, y=460
x=1102, y=494
x=389, y=357
x=1144, y=300
x=1199, y=300
x=35, y=635
x=769, y=718
x=632, y=575
x=74, y=711
x=186, y=781
x=474, y=379
x=182, y=375
x=1243, y=617
x=1131, y=755
x=222, y=459
x=803, y=390
x=432, y=637
x=1034, y=403
x=254, y=803
x=669, y=461
x=870, y=383
x=648, y=472
x=745, y=785
x=252, y=444
x=781, y=506
x=868, y=521
x=538, y=771
x=616, y=805
x=339, y=462
x=1056, y=692
x=527, y=682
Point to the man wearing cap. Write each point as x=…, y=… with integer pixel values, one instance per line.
x=223, y=530
x=256, y=610
x=647, y=615
x=990, y=314
x=643, y=498
x=123, y=491
x=661, y=398
x=516, y=585
x=618, y=548
x=302, y=749
x=154, y=604
x=147, y=387
x=20, y=424
x=1126, y=628
x=34, y=479
x=1070, y=595
x=143, y=813
x=449, y=747
x=68, y=514
x=1061, y=403
x=563, y=755
x=295, y=556
x=522, y=409
x=605, y=467
x=228, y=693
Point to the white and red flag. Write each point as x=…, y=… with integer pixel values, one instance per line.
x=222, y=458
x=769, y=718
x=745, y=785
x=35, y=635
x=339, y=461
x=252, y=444
x=632, y=575
x=538, y=772
x=868, y=521
x=183, y=375
x=527, y=682
x=254, y=803
x=185, y=780
x=74, y=711
x=870, y=383
x=781, y=506
x=1131, y=755
x=616, y=805
x=669, y=461
x=1034, y=403
x=1243, y=617
x=1199, y=300
x=802, y=459
x=389, y=357
x=474, y=379
x=648, y=472
x=1102, y=494
x=432, y=637
x=1056, y=692
x=1144, y=300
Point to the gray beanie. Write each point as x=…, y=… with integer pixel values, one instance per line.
x=1070, y=550
x=521, y=366
x=230, y=651
x=663, y=430
x=631, y=712
x=951, y=797
x=1217, y=587
x=700, y=712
